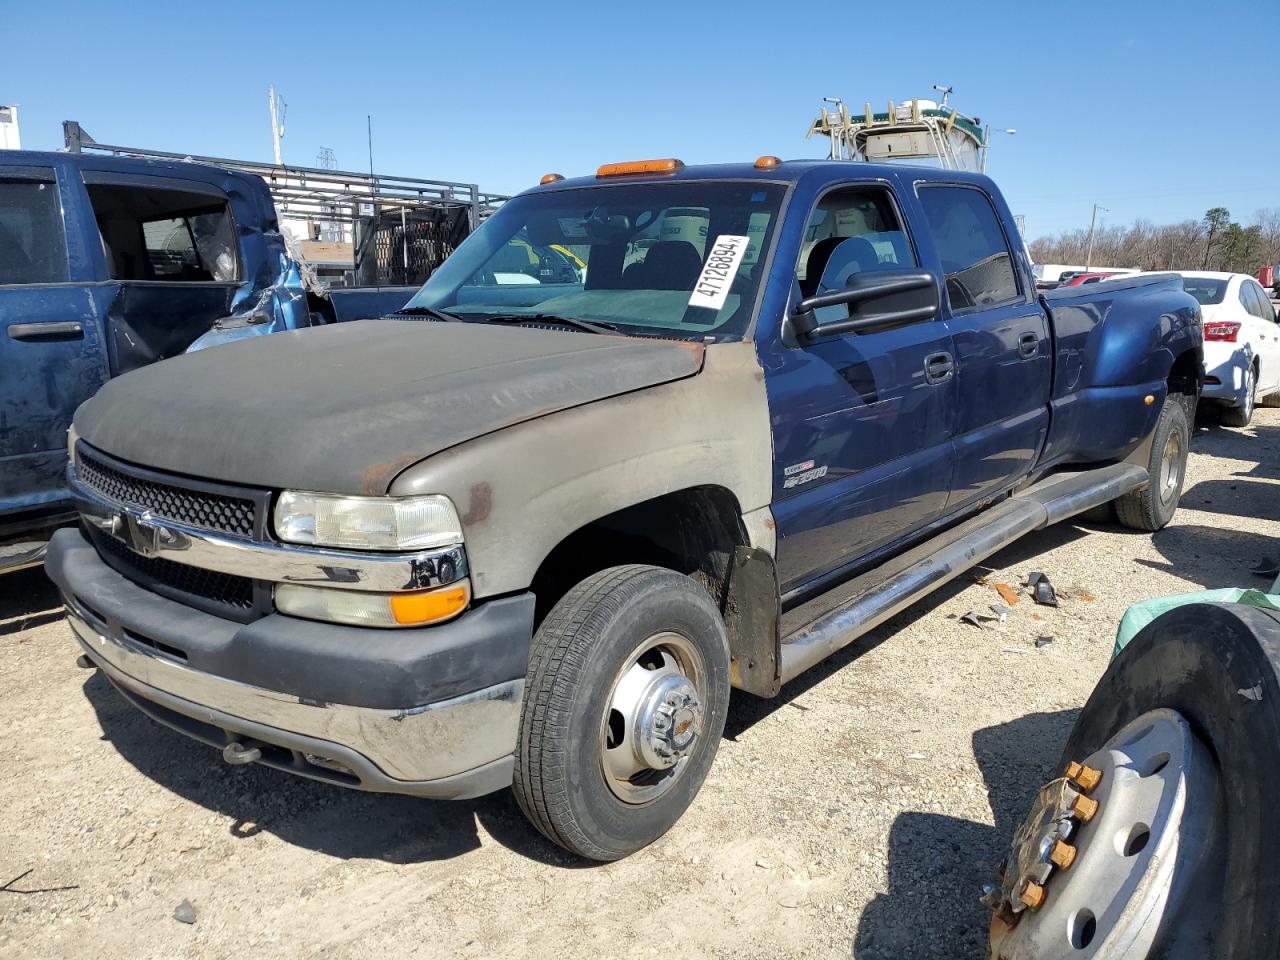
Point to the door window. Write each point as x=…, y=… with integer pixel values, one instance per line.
x=849, y=232
x=975, y=255
x=31, y=245
x=166, y=235
x=1261, y=305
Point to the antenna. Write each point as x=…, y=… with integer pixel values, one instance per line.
x=278, y=109
x=325, y=159
x=945, y=91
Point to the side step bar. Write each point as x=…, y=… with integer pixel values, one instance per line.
x=880, y=593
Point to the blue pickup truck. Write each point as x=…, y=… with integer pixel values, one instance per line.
x=108, y=264
x=532, y=529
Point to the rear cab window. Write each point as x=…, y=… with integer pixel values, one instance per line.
x=32, y=247
x=971, y=244
x=165, y=235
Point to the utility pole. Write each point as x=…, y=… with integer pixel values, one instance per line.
x=1093, y=222
x=278, y=108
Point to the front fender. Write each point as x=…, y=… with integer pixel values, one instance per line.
x=523, y=489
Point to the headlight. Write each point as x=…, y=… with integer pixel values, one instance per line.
x=367, y=523
x=415, y=609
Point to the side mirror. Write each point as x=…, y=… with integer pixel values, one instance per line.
x=878, y=300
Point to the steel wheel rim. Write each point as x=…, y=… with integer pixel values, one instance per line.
x=1250, y=387
x=1171, y=467
x=653, y=718
x=1133, y=862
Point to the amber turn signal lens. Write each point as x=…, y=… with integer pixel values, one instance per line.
x=767, y=163
x=431, y=606
x=550, y=178
x=639, y=166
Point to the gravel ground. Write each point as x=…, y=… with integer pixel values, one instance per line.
x=857, y=815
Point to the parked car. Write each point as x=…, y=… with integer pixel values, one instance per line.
x=108, y=264
x=1241, y=343
x=1080, y=279
x=532, y=534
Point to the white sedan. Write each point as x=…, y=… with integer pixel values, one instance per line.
x=1241, y=343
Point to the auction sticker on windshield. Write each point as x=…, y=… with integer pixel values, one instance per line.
x=712, y=288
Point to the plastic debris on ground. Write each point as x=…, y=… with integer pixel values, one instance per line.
x=1043, y=641
x=1042, y=591
x=1007, y=593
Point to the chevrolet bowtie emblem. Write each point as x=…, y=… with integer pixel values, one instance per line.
x=136, y=531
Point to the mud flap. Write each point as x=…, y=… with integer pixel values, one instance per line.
x=752, y=613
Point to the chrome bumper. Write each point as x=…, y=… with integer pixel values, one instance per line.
x=407, y=749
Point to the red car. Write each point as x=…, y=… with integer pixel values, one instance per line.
x=1083, y=278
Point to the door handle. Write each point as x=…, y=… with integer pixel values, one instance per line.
x=938, y=367
x=1029, y=345
x=56, y=330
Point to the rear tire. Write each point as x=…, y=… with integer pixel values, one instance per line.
x=1152, y=507
x=1240, y=415
x=624, y=706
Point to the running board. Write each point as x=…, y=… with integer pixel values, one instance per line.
x=877, y=595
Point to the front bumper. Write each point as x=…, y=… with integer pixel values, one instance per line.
x=431, y=712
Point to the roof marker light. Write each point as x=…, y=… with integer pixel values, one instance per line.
x=639, y=166
x=550, y=178
x=767, y=163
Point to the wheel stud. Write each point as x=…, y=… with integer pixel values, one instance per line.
x=1032, y=895
x=1063, y=854
x=1086, y=777
x=1085, y=808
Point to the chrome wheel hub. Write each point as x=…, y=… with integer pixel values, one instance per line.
x=1104, y=883
x=1171, y=467
x=653, y=718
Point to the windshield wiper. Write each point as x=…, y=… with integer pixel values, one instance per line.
x=586, y=325
x=429, y=312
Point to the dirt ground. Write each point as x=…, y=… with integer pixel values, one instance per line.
x=857, y=815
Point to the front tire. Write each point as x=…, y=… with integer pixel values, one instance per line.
x=1152, y=507
x=624, y=706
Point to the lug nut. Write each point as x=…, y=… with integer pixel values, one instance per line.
x=1063, y=854
x=1032, y=895
x=1085, y=808
x=1086, y=777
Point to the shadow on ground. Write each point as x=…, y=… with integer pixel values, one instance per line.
x=938, y=864
x=346, y=824
x=28, y=599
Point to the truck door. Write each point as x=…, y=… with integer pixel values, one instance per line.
x=1001, y=336
x=171, y=246
x=51, y=350
x=862, y=423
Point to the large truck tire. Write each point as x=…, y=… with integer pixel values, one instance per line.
x=1152, y=507
x=1197, y=874
x=624, y=706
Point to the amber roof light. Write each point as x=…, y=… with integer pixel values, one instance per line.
x=550, y=178
x=767, y=163
x=639, y=166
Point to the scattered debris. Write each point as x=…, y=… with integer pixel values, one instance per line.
x=1007, y=593
x=763, y=864
x=1267, y=567
x=1042, y=590
x=185, y=912
x=1252, y=693
x=980, y=620
x=915, y=756
x=1086, y=597
x=1043, y=641
x=1001, y=613
x=1014, y=650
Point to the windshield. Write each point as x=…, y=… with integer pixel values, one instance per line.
x=672, y=259
x=1207, y=290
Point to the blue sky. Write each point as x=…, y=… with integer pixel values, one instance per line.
x=1155, y=110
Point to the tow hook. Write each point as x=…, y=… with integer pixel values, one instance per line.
x=237, y=754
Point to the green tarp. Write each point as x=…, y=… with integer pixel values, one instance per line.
x=1140, y=614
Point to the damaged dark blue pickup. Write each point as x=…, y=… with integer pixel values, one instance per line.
x=108, y=264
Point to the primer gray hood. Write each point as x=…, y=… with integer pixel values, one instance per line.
x=345, y=408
